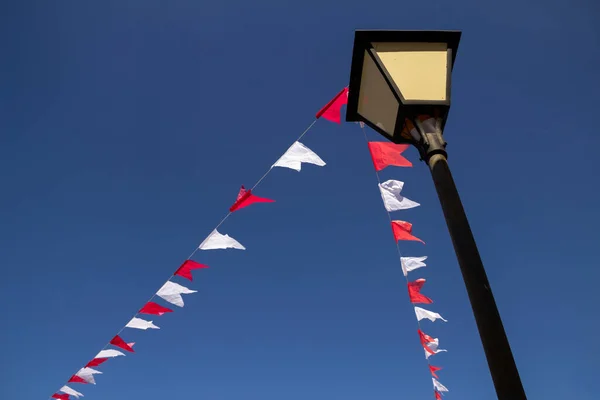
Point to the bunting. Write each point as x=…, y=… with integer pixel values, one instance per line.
x=172, y=292
x=433, y=369
x=438, y=386
x=138, y=323
x=246, y=198
x=433, y=348
x=109, y=353
x=60, y=396
x=96, y=361
x=67, y=390
x=217, y=240
x=426, y=314
x=87, y=374
x=296, y=155
x=438, y=396
x=392, y=199
x=402, y=231
x=414, y=292
x=120, y=343
x=152, y=308
x=332, y=111
x=411, y=263
x=76, y=379
x=185, y=270
x=386, y=154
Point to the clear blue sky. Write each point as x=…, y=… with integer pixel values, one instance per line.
x=127, y=128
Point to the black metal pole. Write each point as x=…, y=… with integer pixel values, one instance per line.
x=495, y=343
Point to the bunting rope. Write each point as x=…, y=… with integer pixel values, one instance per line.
x=394, y=201
x=171, y=292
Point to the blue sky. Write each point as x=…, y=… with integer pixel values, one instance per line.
x=127, y=127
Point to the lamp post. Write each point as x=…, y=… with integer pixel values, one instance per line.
x=400, y=87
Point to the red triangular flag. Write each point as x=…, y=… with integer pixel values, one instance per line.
x=186, y=268
x=152, y=308
x=402, y=231
x=245, y=198
x=414, y=292
x=76, y=379
x=438, y=396
x=433, y=369
x=60, y=396
x=117, y=341
x=424, y=338
x=95, y=362
x=385, y=154
x=333, y=110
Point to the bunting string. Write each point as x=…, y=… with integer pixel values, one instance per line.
x=172, y=292
x=386, y=154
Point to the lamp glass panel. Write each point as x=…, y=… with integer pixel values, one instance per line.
x=376, y=101
x=420, y=70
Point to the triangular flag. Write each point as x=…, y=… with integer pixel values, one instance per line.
x=385, y=154
x=392, y=199
x=76, y=379
x=438, y=396
x=245, y=198
x=60, y=396
x=138, y=323
x=152, y=308
x=296, y=155
x=433, y=347
x=438, y=386
x=411, y=263
x=433, y=369
x=185, y=271
x=333, y=110
x=414, y=292
x=95, y=362
x=425, y=340
x=109, y=353
x=217, y=240
x=172, y=292
x=87, y=374
x=402, y=231
x=426, y=314
x=69, y=391
x=120, y=343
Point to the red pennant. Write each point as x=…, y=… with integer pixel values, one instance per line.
x=333, y=110
x=60, y=396
x=152, y=308
x=117, y=341
x=402, y=231
x=245, y=198
x=186, y=268
x=433, y=369
x=424, y=338
x=76, y=379
x=438, y=396
x=95, y=362
x=385, y=154
x=414, y=292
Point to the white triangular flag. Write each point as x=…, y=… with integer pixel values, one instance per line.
x=430, y=315
x=392, y=199
x=69, y=391
x=109, y=354
x=296, y=155
x=438, y=386
x=87, y=374
x=172, y=292
x=138, y=323
x=217, y=240
x=411, y=263
x=434, y=347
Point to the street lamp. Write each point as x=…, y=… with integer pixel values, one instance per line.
x=400, y=86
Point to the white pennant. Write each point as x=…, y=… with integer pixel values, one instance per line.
x=438, y=386
x=87, y=374
x=426, y=314
x=434, y=347
x=138, y=323
x=69, y=391
x=411, y=263
x=109, y=354
x=392, y=199
x=217, y=240
x=296, y=155
x=172, y=292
